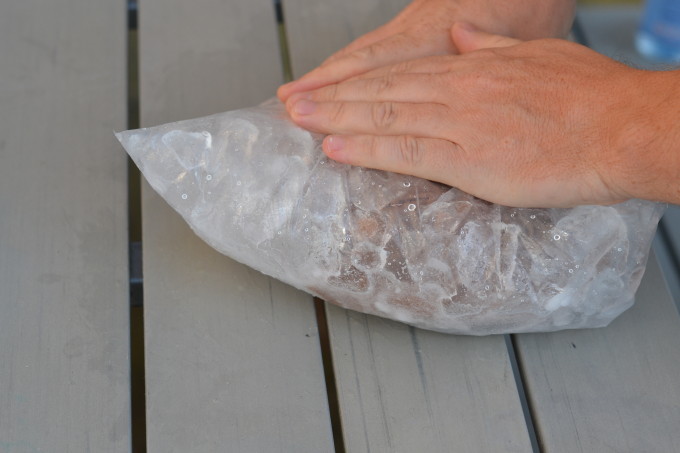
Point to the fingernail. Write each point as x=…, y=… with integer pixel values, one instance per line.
x=335, y=143
x=304, y=107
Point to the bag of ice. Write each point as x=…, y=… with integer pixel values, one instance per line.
x=258, y=189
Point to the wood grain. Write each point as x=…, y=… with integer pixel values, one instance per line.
x=64, y=339
x=612, y=389
x=232, y=357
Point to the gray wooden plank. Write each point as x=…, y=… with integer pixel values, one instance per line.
x=671, y=220
x=667, y=249
x=613, y=389
x=232, y=357
x=402, y=389
x=64, y=338
x=316, y=29
x=618, y=388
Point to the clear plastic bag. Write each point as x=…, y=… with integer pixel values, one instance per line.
x=259, y=189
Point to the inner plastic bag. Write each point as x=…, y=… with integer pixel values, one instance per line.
x=259, y=189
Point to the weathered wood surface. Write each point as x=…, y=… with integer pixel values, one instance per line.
x=232, y=357
x=64, y=350
x=402, y=389
x=615, y=389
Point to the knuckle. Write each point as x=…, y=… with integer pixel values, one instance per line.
x=400, y=68
x=364, y=54
x=384, y=84
x=384, y=115
x=330, y=93
x=410, y=151
x=337, y=112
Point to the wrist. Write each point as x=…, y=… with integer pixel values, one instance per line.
x=648, y=138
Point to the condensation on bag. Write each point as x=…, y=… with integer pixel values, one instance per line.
x=259, y=189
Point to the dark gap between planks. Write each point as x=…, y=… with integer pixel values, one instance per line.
x=527, y=408
x=137, y=374
x=319, y=305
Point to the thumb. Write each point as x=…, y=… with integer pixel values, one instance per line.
x=468, y=38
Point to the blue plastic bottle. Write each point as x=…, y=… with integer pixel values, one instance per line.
x=658, y=37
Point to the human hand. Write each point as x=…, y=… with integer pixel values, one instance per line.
x=544, y=123
x=423, y=29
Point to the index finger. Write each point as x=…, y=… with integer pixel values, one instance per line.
x=381, y=53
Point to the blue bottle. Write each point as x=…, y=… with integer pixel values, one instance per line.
x=658, y=37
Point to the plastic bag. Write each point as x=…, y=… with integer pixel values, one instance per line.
x=259, y=189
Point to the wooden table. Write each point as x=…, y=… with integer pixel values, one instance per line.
x=235, y=361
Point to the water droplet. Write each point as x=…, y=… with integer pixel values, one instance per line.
x=619, y=249
x=279, y=233
x=577, y=266
x=206, y=133
x=238, y=183
x=571, y=271
x=208, y=177
x=306, y=230
x=411, y=207
x=421, y=273
x=487, y=287
x=184, y=196
x=407, y=184
x=512, y=215
x=532, y=216
x=557, y=237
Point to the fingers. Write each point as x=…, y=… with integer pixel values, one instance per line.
x=425, y=87
x=432, y=159
x=375, y=118
x=396, y=48
x=437, y=64
x=468, y=38
x=362, y=41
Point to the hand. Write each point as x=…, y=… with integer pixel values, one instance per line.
x=544, y=123
x=422, y=29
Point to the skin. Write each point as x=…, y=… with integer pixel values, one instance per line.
x=422, y=29
x=545, y=123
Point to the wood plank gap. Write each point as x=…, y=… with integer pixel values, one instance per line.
x=527, y=408
x=319, y=305
x=579, y=33
x=669, y=261
x=137, y=372
x=329, y=374
x=286, y=64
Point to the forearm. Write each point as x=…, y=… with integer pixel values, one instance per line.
x=522, y=19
